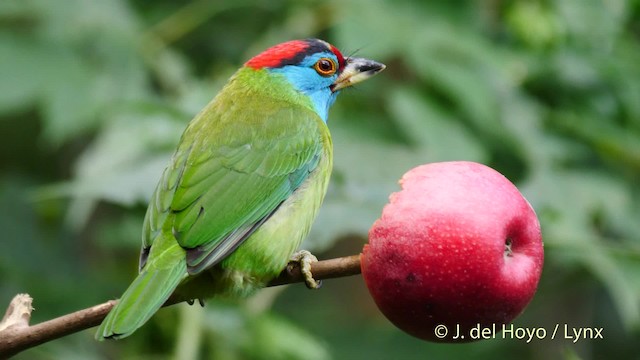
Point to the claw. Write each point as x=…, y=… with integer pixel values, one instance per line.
x=304, y=258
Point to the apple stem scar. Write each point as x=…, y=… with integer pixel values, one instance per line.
x=507, y=247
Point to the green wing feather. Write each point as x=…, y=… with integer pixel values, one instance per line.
x=231, y=171
x=146, y=294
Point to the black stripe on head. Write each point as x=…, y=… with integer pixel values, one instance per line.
x=314, y=46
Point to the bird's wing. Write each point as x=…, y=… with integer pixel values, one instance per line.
x=230, y=173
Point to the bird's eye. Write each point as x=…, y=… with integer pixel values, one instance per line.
x=325, y=67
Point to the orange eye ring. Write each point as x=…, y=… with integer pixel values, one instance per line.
x=325, y=67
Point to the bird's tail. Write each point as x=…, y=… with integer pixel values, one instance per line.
x=142, y=299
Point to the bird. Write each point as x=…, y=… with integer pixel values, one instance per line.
x=244, y=185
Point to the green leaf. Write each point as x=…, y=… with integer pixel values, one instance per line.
x=123, y=165
x=276, y=338
x=21, y=72
x=430, y=128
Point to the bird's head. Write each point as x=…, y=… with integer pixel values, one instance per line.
x=316, y=69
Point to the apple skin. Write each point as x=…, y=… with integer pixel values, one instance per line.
x=437, y=255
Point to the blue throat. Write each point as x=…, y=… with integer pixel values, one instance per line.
x=306, y=80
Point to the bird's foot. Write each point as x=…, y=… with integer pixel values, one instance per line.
x=304, y=258
x=192, y=301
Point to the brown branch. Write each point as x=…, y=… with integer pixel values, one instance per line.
x=18, y=337
x=326, y=269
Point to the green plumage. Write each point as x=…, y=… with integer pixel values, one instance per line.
x=238, y=197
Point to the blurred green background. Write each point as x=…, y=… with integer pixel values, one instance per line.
x=94, y=96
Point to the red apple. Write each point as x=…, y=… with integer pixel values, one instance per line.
x=458, y=246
